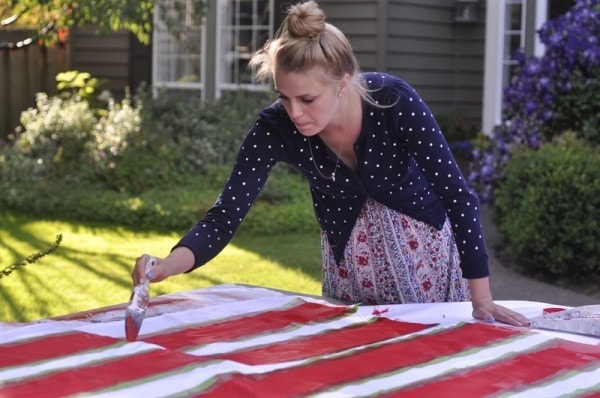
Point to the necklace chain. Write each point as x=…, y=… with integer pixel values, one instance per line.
x=337, y=163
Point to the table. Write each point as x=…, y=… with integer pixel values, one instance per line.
x=239, y=340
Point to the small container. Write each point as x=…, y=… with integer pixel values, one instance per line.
x=552, y=310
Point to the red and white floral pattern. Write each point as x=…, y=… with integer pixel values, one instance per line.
x=392, y=258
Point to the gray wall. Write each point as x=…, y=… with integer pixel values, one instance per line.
x=419, y=41
x=105, y=57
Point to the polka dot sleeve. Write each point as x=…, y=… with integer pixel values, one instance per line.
x=257, y=155
x=425, y=141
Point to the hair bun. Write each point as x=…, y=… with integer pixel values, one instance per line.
x=305, y=20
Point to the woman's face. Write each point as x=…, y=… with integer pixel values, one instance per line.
x=309, y=99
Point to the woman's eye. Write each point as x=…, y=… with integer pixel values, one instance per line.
x=307, y=100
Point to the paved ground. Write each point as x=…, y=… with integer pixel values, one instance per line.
x=506, y=284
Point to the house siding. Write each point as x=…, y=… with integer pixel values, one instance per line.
x=25, y=71
x=419, y=41
x=359, y=21
x=106, y=57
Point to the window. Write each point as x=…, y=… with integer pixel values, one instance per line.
x=245, y=25
x=514, y=37
x=506, y=31
x=178, y=44
x=208, y=48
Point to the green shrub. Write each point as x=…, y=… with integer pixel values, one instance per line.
x=284, y=206
x=203, y=133
x=548, y=210
x=55, y=134
x=155, y=163
x=80, y=85
x=125, y=158
x=62, y=139
x=579, y=109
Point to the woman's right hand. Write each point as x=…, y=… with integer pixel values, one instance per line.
x=180, y=260
x=145, y=271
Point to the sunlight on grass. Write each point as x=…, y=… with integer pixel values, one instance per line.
x=92, y=267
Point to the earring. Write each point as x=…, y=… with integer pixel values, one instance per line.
x=340, y=93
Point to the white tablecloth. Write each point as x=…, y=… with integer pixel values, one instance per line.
x=88, y=352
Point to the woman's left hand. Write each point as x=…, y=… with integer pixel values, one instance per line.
x=486, y=310
x=490, y=312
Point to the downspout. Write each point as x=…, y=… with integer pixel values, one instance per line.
x=382, y=35
x=211, y=58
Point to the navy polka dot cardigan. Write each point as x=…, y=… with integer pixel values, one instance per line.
x=403, y=162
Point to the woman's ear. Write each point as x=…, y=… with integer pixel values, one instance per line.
x=344, y=83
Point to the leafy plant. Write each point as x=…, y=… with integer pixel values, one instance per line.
x=580, y=109
x=548, y=209
x=108, y=15
x=117, y=140
x=76, y=84
x=55, y=133
x=32, y=258
x=156, y=163
x=543, y=98
x=199, y=133
x=283, y=206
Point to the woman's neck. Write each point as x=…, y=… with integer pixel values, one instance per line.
x=342, y=133
x=347, y=124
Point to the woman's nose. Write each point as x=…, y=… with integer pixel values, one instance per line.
x=295, y=110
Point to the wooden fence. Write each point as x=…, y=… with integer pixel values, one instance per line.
x=26, y=69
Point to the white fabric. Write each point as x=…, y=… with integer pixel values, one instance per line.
x=205, y=306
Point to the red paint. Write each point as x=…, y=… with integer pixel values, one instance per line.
x=552, y=310
x=131, y=330
x=519, y=370
x=378, y=312
x=98, y=376
x=326, y=343
x=370, y=362
x=510, y=374
x=246, y=326
x=50, y=347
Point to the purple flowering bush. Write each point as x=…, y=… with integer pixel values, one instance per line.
x=547, y=95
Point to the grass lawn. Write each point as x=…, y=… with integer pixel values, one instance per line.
x=93, y=264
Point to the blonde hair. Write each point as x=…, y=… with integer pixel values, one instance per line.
x=306, y=40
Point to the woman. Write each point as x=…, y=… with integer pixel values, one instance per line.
x=399, y=224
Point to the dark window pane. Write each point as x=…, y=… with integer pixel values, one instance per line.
x=559, y=7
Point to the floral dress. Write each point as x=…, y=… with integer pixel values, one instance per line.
x=392, y=258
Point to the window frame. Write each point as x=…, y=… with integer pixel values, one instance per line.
x=221, y=65
x=495, y=72
x=156, y=57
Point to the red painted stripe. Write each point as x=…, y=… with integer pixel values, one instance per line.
x=506, y=375
x=365, y=363
x=47, y=347
x=247, y=325
x=327, y=342
x=99, y=376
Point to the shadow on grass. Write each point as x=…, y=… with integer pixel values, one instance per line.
x=57, y=286
x=298, y=252
x=14, y=224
